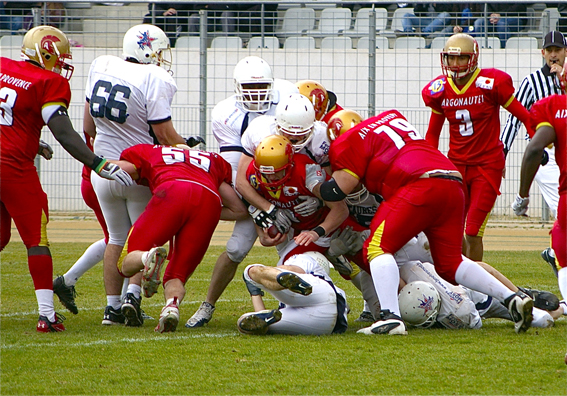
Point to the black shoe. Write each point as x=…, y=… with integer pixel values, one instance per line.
x=546, y=255
x=112, y=316
x=66, y=294
x=132, y=311
x=294, y=283
x=520, y=307
x=542, y=299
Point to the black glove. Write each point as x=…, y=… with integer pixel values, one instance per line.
x=193, y=141
x=544, y=158
x=261, y=218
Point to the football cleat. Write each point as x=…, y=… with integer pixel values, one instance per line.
x=112, y=316
x=169, y=318
x=66, y=294
x=365, y=316
x=542, y=299
x=202, y=316
x=520, y=306
x=132, y=311
x=257, y=323
x=153, y=260
x=44, y=325
x=294, y=283
x=388, y=323
x=550, y=259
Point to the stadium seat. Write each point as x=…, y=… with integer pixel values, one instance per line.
x=11, y=41
x=521, y=43
x=362, y=22
x=409, y=43
x=333, y=21
x=381, y=43
x=302, y=42
x=488, y=42
x=397, y=18
x=188, y=42
x=336, y=43
x=549, y=19
x=232, y=42
x=297, y=20
x=438, y=43
x=268, y=42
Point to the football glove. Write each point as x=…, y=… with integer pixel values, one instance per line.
x=111, y=171
x=45, y=150
x=314, y=175
x=341, y=265
x=193, y=141
x=261, y=218
x=342, y=242
x=282, y=218
x=520, y=205
x=544, y=158
x=308, y=207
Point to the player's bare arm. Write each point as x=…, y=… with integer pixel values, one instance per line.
x=245, y=189
x=233, y=208
x=544, y=136
x=336, y=216
x=166, y=134
x=89, y=126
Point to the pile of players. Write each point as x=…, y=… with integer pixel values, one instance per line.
x=395, y=216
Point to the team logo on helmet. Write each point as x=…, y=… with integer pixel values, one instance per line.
x=426, y=304
x=48, y=43
x=144, y=39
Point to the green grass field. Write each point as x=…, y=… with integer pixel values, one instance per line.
x=91, y=359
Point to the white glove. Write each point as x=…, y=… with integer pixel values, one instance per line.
x=112, y=171
x=520, y=205
x=342, y=242
x=308, y=207
x=261, y=218
x=45, y=150
x=314, y=175
x=282, y=219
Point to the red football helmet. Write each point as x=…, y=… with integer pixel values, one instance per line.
x=457, y=45
x=342, y=121
x=273, y=154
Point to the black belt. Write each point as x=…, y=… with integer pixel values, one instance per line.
x=448, y=177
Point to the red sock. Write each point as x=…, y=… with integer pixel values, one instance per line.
x=41, y=270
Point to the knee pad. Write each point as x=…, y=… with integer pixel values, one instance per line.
x=247, y=276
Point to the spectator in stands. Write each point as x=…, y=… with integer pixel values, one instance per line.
x=562, y=23
x=13, y=15
x=428, y=17
x=172, y=18
x=503, y=19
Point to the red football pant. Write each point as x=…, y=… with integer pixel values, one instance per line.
x=559, y=232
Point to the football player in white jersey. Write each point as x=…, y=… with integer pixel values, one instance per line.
x=257, y=93
x=309, y=301
x=128, y=103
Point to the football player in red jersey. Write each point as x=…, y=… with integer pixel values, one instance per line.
x=282, y=177
x=34, y=93
x=549, y=120
x=191, y=191
x=423, y=192
x=470, y=99
x=324, y=102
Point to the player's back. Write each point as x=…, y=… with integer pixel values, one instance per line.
x=25, y=88
x=125, y=98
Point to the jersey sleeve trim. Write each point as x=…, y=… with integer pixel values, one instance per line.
x=435, y=111
x=159, y=121
x=509, y=101
x=542, y=124
x=62, y=104
x=239, y=149
x=351, y=173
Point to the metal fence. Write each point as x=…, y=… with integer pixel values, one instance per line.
x=355, y=50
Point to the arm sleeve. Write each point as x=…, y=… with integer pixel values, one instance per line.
x=525, y=96
x=434, y=130
x=517, y=110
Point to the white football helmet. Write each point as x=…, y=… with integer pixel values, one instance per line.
x=295, y=117
x=321, y=260
x=419, y=304
x=147, y=44
x=253, y=84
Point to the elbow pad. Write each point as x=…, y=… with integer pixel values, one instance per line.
x=331, y=192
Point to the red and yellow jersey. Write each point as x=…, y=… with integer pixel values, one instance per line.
x=159, y=164
x=552, y=111
x=287, y=196
x=25, y=89
x=473, y=114
x=385, y=152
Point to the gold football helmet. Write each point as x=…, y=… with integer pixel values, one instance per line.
x=341, y=122
x=49, y=48
x=317, y=94
x=273, y=154
x=457, y=45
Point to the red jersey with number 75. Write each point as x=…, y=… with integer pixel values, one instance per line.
x=473, y=112
x=386, y=152
x=24, y=90
x=159, y=164
x=552, y=111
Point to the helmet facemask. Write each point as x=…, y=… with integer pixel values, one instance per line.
x=255, y=97
x=295, y=119
x=299, y=138
x=49, y=48
x=273, y=156
x=460, y=45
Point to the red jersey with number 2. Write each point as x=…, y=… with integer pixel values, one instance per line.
x=386, y=152
x=158, y=164
x=473, y=112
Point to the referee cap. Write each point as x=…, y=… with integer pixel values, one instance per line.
x=554, y=38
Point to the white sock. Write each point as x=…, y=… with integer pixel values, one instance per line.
x=91, y=257
x=125, y=284
x=136, y=290
x=386, y=278
x=552, y=253
x=541, y=318
x=473, y=276
x=170, y=300
x=45, y=303
x=114, y=301
x=562, y=281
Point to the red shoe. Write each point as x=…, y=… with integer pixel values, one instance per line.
x=44, y=325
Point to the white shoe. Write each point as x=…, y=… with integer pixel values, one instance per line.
x=169, y=318
x=202, y=316
x=388, y=323
x=153, y=261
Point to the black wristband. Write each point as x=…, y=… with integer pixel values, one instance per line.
x=319, y=231
x=96, y=162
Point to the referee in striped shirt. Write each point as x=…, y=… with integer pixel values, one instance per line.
x=536, y=86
